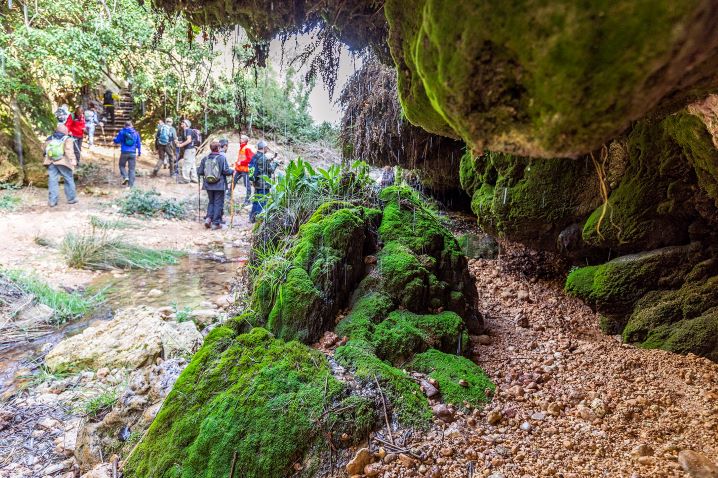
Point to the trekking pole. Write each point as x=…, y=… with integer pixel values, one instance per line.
x=199, y=200
x=231, y=203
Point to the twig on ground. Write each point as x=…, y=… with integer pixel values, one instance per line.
x=386, y=416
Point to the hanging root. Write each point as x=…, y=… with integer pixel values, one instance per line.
x=601, y=174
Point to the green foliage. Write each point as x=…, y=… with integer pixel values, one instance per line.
x=67, y=305
x=297, y=194
x=102, y=251
x=182, y=315
x=97, y=406
x=449, y=371
x=148, y=203
x=252, y=395
x=9, y=203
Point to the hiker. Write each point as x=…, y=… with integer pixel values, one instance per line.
x=260, y=167
x=241, y=166
x=165, y=138
x=387, y=177
x=130, y=149
x=192, y=141
x=62, y=113
x=108, y=103
x=76, y=125
x=213, y=168
x=92, y=119
x=60, y=161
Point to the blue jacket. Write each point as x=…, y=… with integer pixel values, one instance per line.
x=120, y=139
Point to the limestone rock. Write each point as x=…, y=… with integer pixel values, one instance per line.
x=135, y=337
x=697, y=465
x=362, y=458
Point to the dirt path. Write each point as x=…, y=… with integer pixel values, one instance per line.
x=33, y=219
x=570, y=401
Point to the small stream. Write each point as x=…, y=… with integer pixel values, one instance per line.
x=197, y=278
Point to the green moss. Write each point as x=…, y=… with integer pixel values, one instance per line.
x=698, y=336
x=579, y=282
x=403, y=334
x=652, y=194
x=548, y=81
x=404, y=277
x=291, y=314
x=404, y=396
x=367, y=311
x=449, y=370
x=235, y=396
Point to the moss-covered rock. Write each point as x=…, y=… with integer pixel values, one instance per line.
x=231, y=401
x=31, y=171
x=556, y=80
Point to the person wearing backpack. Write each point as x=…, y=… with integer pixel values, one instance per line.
x=108, y=103
x=260, y=168
x=165, y=138
x=76, y=125
x=130, y=149
x=92, y=119
x=192, y=141
x=213, y=168
x=60, y=161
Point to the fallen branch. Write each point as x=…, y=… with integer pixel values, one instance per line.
x=398, y=448
x=386, y=416
x=231, y=467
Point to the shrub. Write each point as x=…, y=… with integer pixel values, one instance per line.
x=148, y=203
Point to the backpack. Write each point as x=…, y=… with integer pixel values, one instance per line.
x=55, y=149
x=212, y=168
x=196, y=138
x=163, y=135
x=129, y=139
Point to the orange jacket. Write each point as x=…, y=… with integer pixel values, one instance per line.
x=243, y=158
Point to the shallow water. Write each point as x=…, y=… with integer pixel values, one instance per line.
x=196, y=278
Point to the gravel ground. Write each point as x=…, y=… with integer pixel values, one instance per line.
x=570, y=401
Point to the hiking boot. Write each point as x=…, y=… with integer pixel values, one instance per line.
x=154, y=173
x=51, y=205
x=125, y=181
x=216, y=226
x=74, y=201
x=193, y=181
x=207, y=223
x=182, y=181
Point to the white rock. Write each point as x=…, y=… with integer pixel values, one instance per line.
x=154, y=293
x=135, y=337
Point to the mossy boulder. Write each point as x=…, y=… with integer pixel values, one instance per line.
x=559, y=80
x=297, y=296
x=31, y=171
x=248, y=399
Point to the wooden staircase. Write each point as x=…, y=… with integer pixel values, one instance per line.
x=123, y=112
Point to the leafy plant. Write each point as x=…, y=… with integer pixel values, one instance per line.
x=148, y=203
x=182, y=315
x=9, y=203
x=67, y=305
x=102, y=251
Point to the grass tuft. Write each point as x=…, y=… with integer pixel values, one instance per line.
x=100, y=223
x=102, y=251
x=67, y=305
x=97, y=406
x=9, y=203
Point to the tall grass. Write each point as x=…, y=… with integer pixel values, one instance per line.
x=99, y=250
x=67, y=305
x=100, y=223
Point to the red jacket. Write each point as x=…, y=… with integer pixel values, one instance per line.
x=76, y=127
x=243, y=158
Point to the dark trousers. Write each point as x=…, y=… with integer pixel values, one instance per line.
x=215, y=206
x=78, y=148
x=258, y=202
x=128, y=160
x=110, y=112
x=244, y=179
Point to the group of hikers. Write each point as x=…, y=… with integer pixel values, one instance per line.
x=63, y=153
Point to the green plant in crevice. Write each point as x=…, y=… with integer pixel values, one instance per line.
x=99, y=405
x=182, y=315
x=67, y=305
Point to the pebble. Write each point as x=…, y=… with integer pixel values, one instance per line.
x=494, y=417
x=154, y=293
x=697, y=464
x=538, y=416
x=526, y=426
x=484, y=339
x=362, y=458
